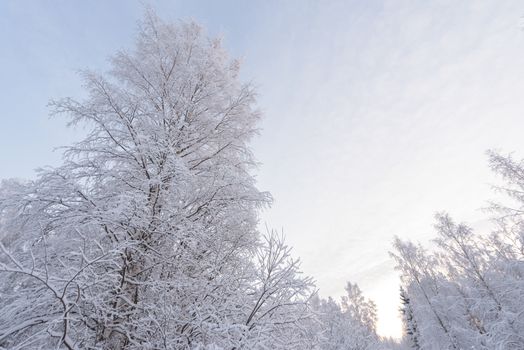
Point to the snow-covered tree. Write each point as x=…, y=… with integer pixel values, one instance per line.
x=467, y=293
x=348, y=325
x=409, y=320
x=421, y=282
x=146, y=235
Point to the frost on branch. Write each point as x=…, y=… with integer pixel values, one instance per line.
x=145, y=236
x=468, y=292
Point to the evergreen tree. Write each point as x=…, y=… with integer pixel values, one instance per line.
x=408, y=318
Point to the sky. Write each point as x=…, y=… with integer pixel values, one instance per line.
x=377, y=114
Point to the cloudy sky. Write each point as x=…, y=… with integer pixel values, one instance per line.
x=377, y=113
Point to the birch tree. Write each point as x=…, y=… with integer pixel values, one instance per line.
x=146, y=236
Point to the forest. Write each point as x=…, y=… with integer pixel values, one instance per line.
x=147, y=235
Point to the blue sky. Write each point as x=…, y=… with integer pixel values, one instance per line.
x=377, y=113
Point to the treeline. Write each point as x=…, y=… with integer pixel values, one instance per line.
x=467, y=292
